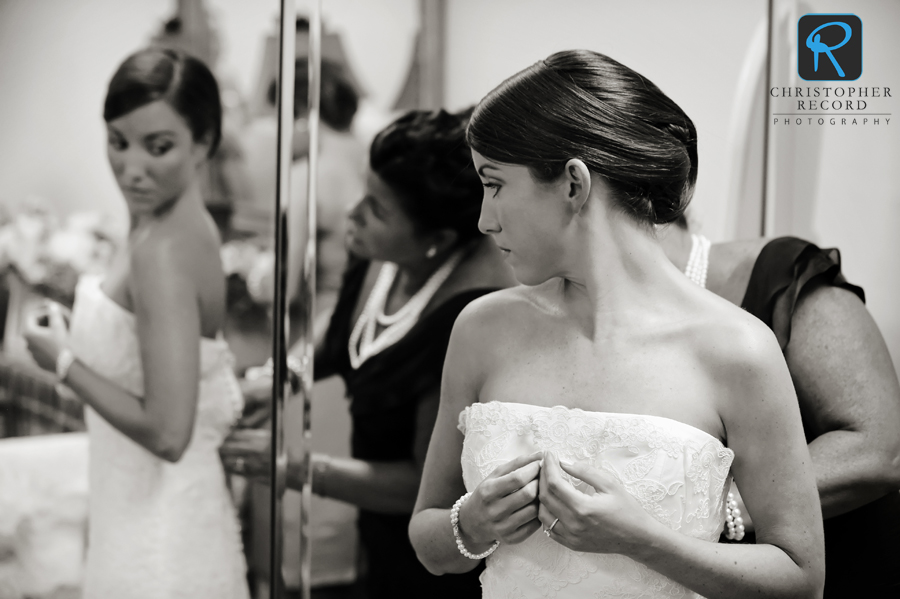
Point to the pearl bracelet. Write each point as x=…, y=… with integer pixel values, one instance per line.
x=734, y=524
x=454, y=520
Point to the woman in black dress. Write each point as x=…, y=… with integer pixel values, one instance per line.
x=847, y=387
x=417, y=259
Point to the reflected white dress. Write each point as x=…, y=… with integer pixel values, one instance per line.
x=157, y=529
x=677, y=472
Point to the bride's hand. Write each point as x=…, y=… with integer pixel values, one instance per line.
x=46, y=333
x=611, y=521
x=504, y=506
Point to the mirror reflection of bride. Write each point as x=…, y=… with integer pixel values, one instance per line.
x=146, y=354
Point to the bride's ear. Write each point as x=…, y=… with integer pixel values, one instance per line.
x=577, y=180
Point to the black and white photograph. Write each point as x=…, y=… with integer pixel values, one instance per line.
x=500, y=299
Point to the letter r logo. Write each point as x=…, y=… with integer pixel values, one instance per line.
x=829, y=47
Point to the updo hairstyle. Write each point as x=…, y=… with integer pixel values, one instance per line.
x=582, y=104
x=181, y=80
x=424, y=159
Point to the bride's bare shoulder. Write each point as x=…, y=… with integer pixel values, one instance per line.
x=486, y=322
x=499, y=308
x=736, y=346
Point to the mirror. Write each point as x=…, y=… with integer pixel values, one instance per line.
x=54, y=166
x=394, y=55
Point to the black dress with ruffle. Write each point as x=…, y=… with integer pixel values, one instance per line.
x=384, y=394
x=862, y=547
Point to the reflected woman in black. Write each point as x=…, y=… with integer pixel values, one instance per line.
x=417, y=259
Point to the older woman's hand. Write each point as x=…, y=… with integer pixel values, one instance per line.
x=257, y=392
x=610, y=521
x=247, y=452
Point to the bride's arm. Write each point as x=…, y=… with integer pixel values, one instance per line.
x=503, y=507
x=774, y=471
x=168, y=327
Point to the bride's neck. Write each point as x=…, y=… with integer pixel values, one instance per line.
x=620, y=270
x=188, y=204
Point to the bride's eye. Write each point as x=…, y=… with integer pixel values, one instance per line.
x=116, y=142
x=159, y=148
x=493, y=186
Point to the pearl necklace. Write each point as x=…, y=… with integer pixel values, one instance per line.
x=698, y=262
x=363, y=342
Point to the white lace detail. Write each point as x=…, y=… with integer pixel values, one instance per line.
x=677, y=472
x=157, y=529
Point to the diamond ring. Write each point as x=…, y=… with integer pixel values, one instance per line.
x=547, y=531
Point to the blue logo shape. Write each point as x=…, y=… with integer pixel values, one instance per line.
x=837, y=37
x=818, y=47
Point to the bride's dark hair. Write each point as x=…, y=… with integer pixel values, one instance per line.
x=183, y=81
x=582, y=104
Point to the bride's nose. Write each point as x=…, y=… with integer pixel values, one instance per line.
x=129, y=167
x=487, y=221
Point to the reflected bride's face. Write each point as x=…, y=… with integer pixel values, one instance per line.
x=525, y=217
x=153, y=156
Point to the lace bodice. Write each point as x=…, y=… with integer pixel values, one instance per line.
x=157, y=529
x=677, y=472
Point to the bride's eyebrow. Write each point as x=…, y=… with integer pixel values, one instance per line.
x=482, y=168
x=158, y=134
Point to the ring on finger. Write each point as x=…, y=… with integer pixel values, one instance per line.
x=547, y=531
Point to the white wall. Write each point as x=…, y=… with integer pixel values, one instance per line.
x=693, y=51
x=56, y=59
x=839, y=186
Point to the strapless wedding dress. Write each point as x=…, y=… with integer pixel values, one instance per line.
x=157, y=530
x=677, y=472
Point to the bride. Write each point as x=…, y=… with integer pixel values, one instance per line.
x=145, y=351
x=606, y=404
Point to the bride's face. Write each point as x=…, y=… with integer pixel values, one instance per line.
x=153, y=156
x=525, y=217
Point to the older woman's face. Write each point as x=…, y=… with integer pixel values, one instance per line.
x=379, y=229
x=153, y=156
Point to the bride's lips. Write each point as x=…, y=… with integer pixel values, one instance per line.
x=138, y=193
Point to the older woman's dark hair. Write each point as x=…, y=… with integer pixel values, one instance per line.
x=182, y=81
x=424, y=159
x=338, y=100
x=582, y=104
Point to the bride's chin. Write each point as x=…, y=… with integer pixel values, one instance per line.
x=528, y=277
